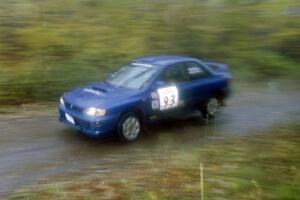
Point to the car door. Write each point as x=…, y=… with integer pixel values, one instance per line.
x=200, y=83
x=172, y=97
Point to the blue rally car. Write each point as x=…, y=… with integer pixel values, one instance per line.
x=146, y=90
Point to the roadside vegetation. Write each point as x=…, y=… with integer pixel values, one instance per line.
x=264, y=166
x=47, y=47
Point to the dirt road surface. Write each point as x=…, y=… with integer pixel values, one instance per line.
x=35, y=147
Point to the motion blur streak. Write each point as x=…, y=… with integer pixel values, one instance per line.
x=47, y=47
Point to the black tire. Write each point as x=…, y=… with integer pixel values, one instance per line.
x=211, y=107
x=129, y=127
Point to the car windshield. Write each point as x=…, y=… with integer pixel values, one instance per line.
x=133, y=76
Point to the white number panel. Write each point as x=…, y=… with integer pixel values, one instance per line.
x=168, y=97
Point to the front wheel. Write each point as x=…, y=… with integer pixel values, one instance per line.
x=129, y=127
x=211, y=108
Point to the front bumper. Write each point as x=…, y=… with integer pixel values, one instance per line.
x=92, y=126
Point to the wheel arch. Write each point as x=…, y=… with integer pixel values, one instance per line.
x=135, y=110
x=220, y=94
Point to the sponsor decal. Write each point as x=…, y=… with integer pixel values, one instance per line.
x=194, y=70
x=154, y=101
x=168, y=97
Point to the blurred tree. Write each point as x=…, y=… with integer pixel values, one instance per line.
x=47, y=46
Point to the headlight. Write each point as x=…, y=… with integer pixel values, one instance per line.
x=95, y=112
x=62, y=102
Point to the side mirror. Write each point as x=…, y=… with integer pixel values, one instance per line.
x=159, y=84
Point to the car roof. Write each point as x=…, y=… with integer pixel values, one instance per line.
x=164, y=60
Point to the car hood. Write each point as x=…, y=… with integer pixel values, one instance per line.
x=101, y=95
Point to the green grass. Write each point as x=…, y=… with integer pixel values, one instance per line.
x=48, y=47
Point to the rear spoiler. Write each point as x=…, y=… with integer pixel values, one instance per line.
x=217, y=67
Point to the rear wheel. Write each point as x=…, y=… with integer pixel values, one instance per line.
x=129, y=127
x=211, y=108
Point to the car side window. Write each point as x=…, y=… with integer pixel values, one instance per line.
x=195, y=70
x=175, y=74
